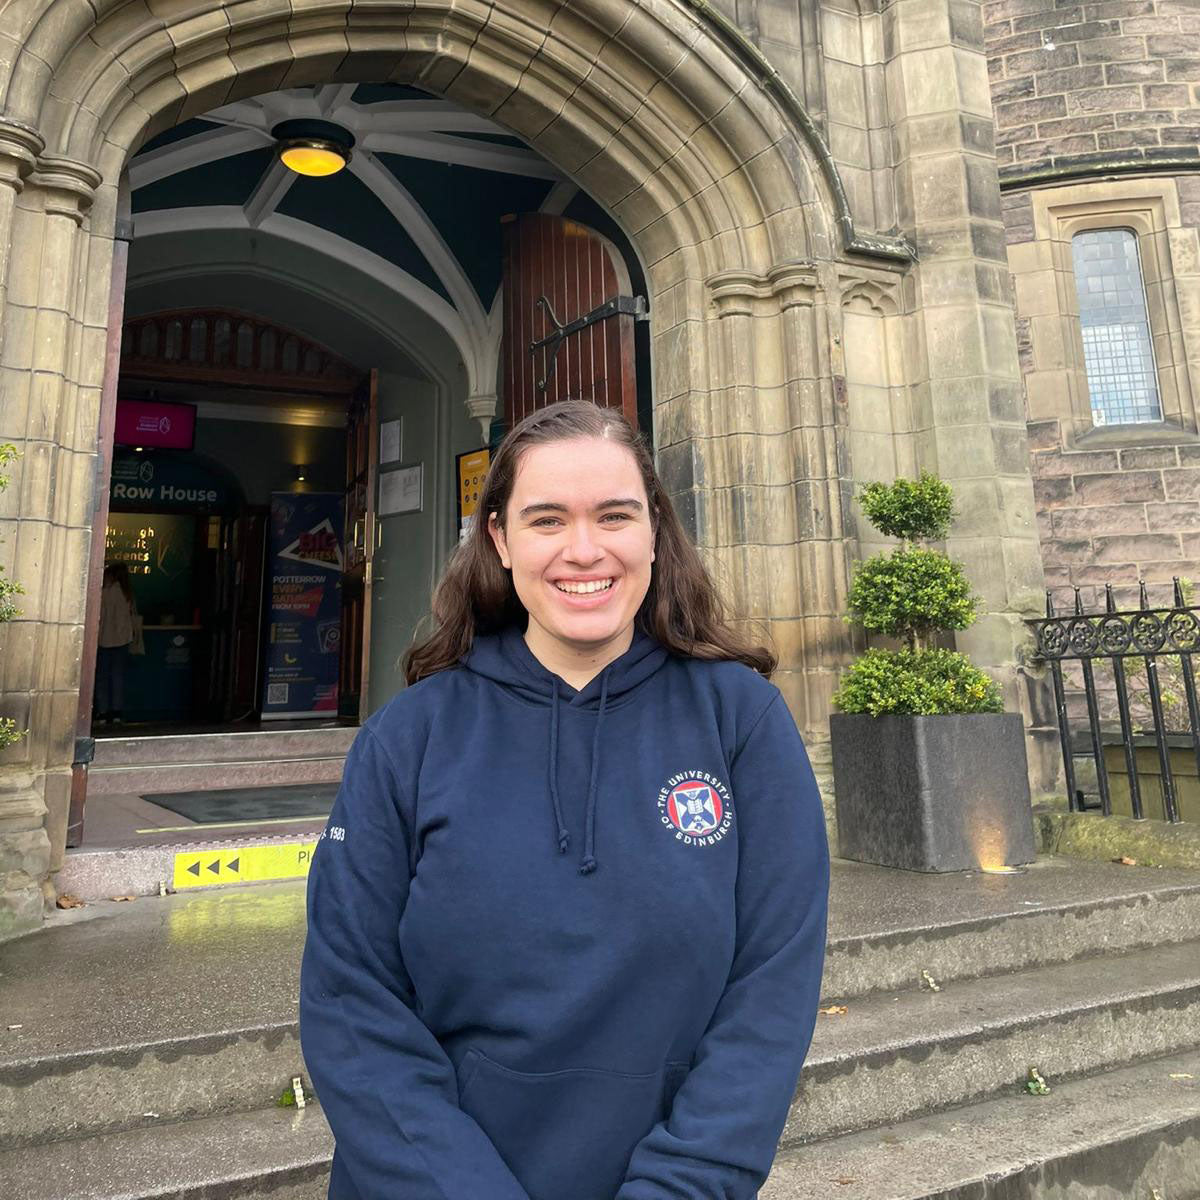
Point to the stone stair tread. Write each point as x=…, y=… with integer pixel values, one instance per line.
x=1134, y=1111
x=913, y=903
x=886, y=1023
x=224, y=1155
x=187, y=966
x=235, y=955
x=243, y=745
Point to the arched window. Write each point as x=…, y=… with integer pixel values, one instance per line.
x=1117, y=352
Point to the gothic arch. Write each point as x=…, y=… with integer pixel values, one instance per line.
x=697, y=149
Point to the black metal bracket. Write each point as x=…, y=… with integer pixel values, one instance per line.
x=632, y=306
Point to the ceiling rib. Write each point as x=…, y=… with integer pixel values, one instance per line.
x=196, y=151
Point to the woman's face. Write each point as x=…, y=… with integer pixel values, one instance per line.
x=578, y=541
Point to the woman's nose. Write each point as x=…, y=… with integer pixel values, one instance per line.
x=581, y=547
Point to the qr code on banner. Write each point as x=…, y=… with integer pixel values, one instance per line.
x=277, y=693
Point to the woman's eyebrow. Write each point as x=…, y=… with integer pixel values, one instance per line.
x=530, y=509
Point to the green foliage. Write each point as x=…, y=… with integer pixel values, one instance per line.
x=910, y=509
x=918, y=683
x=9, y=733
x=1035, y=1085
x=911, y=593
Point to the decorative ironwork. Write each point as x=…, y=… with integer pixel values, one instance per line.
x=1112, y=638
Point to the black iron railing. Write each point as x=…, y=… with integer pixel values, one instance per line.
x=1118, y=645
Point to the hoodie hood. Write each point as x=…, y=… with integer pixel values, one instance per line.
x=506, y=660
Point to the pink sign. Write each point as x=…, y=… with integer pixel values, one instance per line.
x=153, y=423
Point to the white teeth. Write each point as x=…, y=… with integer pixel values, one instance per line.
x=583, y=589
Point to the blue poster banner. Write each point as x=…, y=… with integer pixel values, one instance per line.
x=304, y=635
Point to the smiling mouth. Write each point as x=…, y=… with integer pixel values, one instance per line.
x=591, y=588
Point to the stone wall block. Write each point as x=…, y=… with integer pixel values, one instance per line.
x=1183, y=484
x=1118, y=548
x=1119, y=487
x=27, y=852
x=1100, y=519
x=1173, y=515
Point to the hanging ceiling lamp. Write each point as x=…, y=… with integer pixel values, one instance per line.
x=312, y=147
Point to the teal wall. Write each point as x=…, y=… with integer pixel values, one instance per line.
x=415, y=546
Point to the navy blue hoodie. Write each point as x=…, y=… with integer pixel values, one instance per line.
x=566, y=945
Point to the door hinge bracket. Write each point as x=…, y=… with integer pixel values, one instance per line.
x=633, y=306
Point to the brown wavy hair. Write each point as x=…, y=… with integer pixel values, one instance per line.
x=475, y=595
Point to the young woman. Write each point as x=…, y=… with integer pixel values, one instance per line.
x=567, y=919
x=118, y=611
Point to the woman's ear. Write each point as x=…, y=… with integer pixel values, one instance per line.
x=499, y=541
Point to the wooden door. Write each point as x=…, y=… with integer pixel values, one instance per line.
x=568, y=318
x=361, y=540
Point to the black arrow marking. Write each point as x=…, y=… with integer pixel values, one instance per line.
x=233, y=863
x=195, y=868
x=215, y=866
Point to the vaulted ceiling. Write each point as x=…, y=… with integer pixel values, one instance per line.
x=418, y=208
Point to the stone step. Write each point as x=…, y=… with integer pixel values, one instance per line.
x=1105, y=1137
x=321, y=741
x=892, y=1057
x=1112, y=1136
x=190, y=1007
x=211, y=761
x=271, y=1154
x=113, y=1086
x=95, y=875
x=966, y=926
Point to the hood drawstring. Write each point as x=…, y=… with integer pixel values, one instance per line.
x=564, y=837
x=588, y=863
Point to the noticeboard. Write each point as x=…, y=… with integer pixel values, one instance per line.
x=472, y=469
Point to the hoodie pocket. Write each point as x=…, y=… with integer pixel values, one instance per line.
x=566, y=1135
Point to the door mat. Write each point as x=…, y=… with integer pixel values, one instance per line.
x=249, y=804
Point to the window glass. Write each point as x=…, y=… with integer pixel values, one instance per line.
x=1117, y=352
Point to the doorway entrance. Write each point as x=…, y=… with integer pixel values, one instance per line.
x=322, y=498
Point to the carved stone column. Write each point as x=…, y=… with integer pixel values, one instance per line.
x=47, y=361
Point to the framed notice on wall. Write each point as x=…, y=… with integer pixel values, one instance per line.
x=472, y=467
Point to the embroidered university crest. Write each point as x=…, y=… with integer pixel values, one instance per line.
x=696, y=807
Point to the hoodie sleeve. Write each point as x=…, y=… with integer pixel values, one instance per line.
x=721, y=1136
x=386, y=1086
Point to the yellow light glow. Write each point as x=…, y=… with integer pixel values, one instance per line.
x=313, y=159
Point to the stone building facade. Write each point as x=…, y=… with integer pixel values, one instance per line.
x=1098, y=137
x=812, y=189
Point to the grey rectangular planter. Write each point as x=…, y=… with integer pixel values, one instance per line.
x=938, y=793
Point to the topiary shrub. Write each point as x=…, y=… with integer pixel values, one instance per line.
x=911, y=594
x=9, y=732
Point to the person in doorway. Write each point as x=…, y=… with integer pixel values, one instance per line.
x=118, y=628
x=567, y=919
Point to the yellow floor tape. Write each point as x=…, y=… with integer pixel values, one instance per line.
x=242, y=864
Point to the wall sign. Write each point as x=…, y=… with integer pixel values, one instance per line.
x=304, y=643
x=153, y=423
x=400, y=490
x=169, y=483
x=471, y=470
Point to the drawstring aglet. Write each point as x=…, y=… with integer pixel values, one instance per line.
x=564, y=840
x=587, y=866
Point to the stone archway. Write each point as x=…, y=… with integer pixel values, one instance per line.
x=717, y=178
